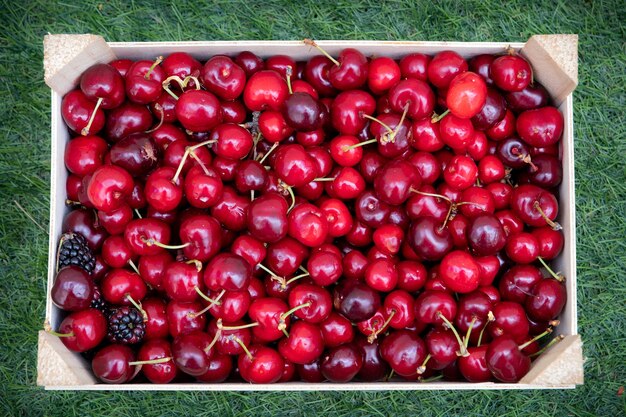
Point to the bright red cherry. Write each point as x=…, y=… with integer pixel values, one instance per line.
x=510, y=72
x=467, y=94
x=82, y=330
x=265, y=90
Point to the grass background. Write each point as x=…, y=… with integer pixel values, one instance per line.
x=600, y=181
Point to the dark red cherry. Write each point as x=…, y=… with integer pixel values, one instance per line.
x=540, y=127
x=433, y=305
x=416, y=94
x=510, y=320
x=126, y=119
x=192, y=353
x=428, y=239
x=302, y=112
x=136, y=153
x=267, y=218
x=356, y=301
x=505, y=360
x=404, y=351
x=77, y=111
x=474, y=367
x=198, y=110
x=510, y=72
x=203, y=235
x=532, y=97
x=182, y=317
x=161, y=372
x=342, y=363
x=480, y=65
x=105, y=82
x=546, y=300
x=72, y=289
x=112, y=364
x=395, y=180
x=486, y=235
x=492, y=112
x=444, y=67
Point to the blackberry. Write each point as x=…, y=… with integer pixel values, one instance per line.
x=126, y=325
x=98, y=301
x=74, y=250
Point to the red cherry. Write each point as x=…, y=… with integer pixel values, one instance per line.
x=505, y=360
x=510, y=72
x=267, y=218
x=157, y=326
x=546, y=300
x=202, y=236
x=348, y=109
x=460, y=173
x=221, y=76
x=161, y=372
x=82, y=330
x=395, y=180
x=540, y=127
x=474, y=367
x=108, y=187
x=265, y=90
x=73, y=289
x=444, y=67
x=416, y=94
x=262, y=365
x=120, y=286
x=81, y=114
x=84, y=154
x=510, y=320
x=112, y=364
x=467, y=94
x=459, y=272
x=304, y=344
x=522, y=248
x=192, y=353
x=383, y=74
x=182, y=317
x=198, y=110
x=336, y=330
x=126, y=119
x=404, y=351
x=432, y=305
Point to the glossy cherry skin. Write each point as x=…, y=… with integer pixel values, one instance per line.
x=228, y=272
x=442, y=347
x=103, y=81
x=551, y=242
x=336, y=330
x=198, y=110
x=136, y=153
x=319, y=298
x=268, y=313
x=486, y=235
x=428, y=239
x=517, y=283
x=504, y=128
x=84, y=154
x=157, y=326
x=73, y=289
x=114, y=222
x=370, y=210
x=492, y=112
x=140, y=233
x=444, y=67
x=381, y=275
x=431, y=303
x=347, y=110
x=157, y=373
x=342, y=363
x=395, y=180
x=399, y=306
x=180, y=281
x=205, y=235
x=203, y=187
x=325, y=267
x=231, y=210
x=308, y=224
x=85, y=222
x=111, y=364
x=532, y=97
x=540, y=127
x=415, y=65
x=265, y=367
x=76, y=110
x=87, y=328
x=191, y=354
x=505, y=360
x=294, y=165
x=374, y=367
x=356, y=301
x=249, y=62
x=220, y=367
x=547, y=299
x=304, y=344
x=547, y=171
x=250, y=175
x=233, y=141
x=267, y=218
x=411, y=275
x=510, y=320
x=119, y=284
x=108, y=187
x=221, y=76
x=510, y=72
x=115, y=252
x=233, y=305
x=522, y=248
x=480, y=65
x=383, y=74
x=265, y=90
x=474, y=367
x=467, y=94
x=302, y=112
x=181, y=317
x=459, y=272
x=416, y=94
x=126, y=119
x=473, y=307
x=404, y=351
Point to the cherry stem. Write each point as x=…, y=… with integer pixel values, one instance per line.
x=289, y=74
x=85, y=130
x=152, y=242
x=462, y=349
x=251, y=195
x=48, y=329
x=296, y=308
x=137, y=305
x=200, y=163
x=356, y=145
x=548, y=346
x=274, y=146
x=311, y=42
x=526, y=159
x=189, y=150
x=380, y=122
x=243, y=326
x=243, y=346
x=554, y=225
x=490, y=318
x=397, y=129
x=196, y=263
x=469, y=331
x=388, y=377
x=132, y=265
x=375, y=333
x=288, y=188
x=195, y=80
x=151, y=362
x=422, y=368
x=218, y=334
x=269, y=271
x=323, y=179
x=156, y=62
x=138, y=214
x=556, y=276
x=413, y=190
x=212, y=302
x=158, y=108
x=534, y=339
x=294, y=279
x=436, y=118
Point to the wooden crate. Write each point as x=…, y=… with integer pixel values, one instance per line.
x=555, y=62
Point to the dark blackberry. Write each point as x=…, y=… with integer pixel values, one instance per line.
x=98, y=301
x=74, y=250
x=126, y=325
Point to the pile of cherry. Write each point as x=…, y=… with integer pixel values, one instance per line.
x=336, y=219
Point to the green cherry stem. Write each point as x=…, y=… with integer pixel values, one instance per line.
x=556, y=276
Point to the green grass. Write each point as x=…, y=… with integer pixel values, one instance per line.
x=600, y=181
